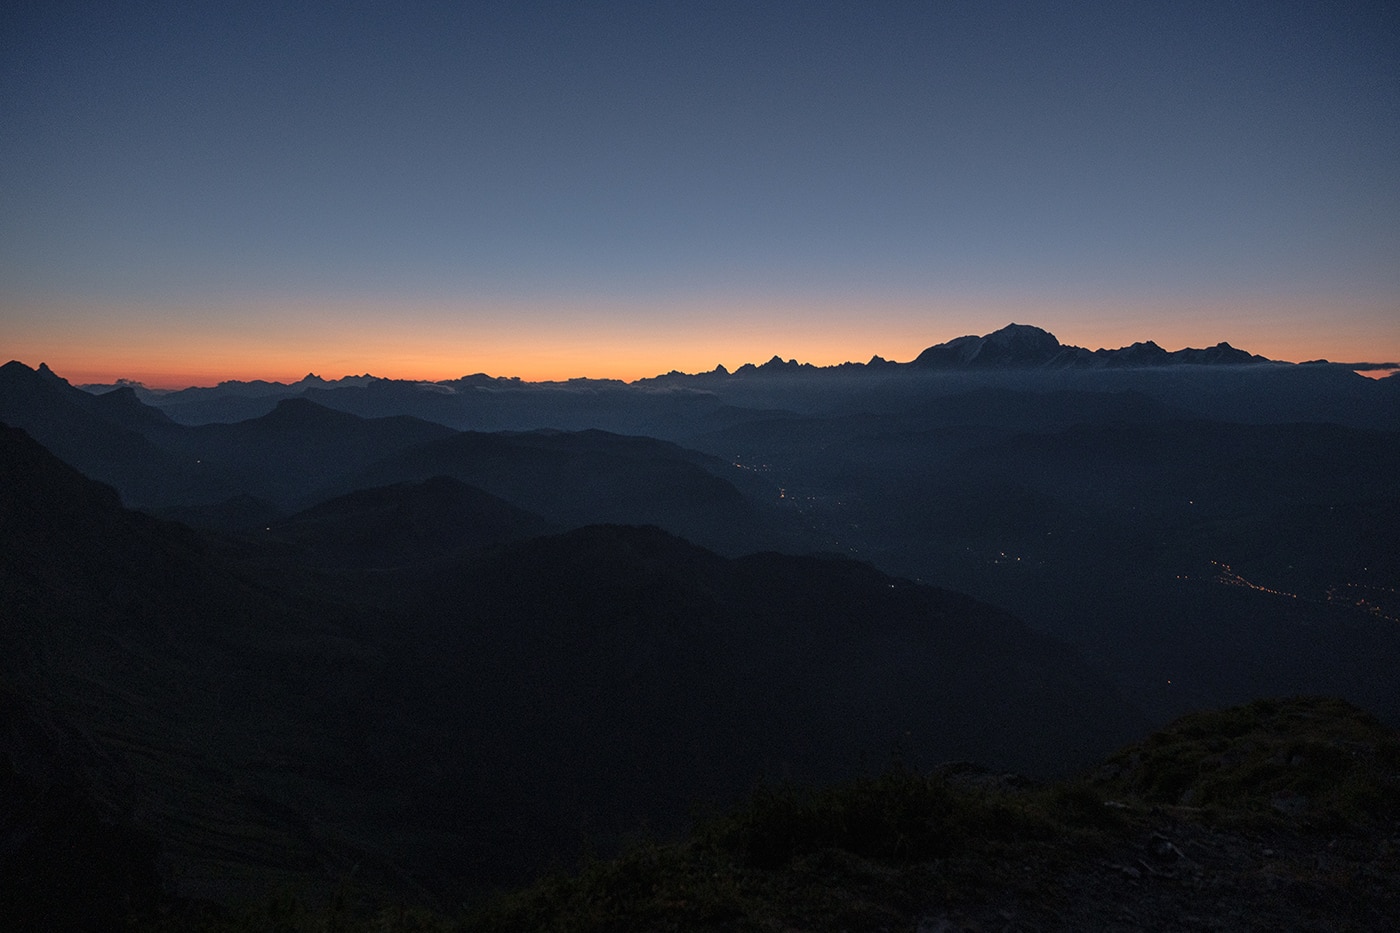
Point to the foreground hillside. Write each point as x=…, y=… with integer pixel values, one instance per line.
x=1291, y=824
x=1276, y=815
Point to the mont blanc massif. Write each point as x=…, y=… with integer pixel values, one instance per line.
x=790, y=647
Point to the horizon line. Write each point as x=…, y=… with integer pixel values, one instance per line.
x=1372, y=370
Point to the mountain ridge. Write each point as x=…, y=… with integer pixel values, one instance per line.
x=1027, y=346
x=1214, y=381
x=1011, y=346
x=239, y=697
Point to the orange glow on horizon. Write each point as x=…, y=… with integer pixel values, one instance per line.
x=558, y=365
x=282, y=341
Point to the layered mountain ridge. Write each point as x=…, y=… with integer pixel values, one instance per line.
x=268, y=711
x=1012, y=346
x=441, y=631
x=677, y=406
x=1024, y=345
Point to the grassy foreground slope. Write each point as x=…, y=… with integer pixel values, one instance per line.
x=1282, y=814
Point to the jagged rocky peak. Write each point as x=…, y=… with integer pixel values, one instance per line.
x=1141, y=353
x=15, y=370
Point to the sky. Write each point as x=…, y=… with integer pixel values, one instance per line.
x=192, y=192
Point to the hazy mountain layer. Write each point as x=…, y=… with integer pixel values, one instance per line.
x=430, y=522
x=255, y=472
x=405, y=677
x=1204, y=562
x=1156, y=539
x=265, y=723
x=1214, y=382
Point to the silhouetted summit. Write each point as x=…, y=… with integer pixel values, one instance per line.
x=1013, y=345
x=106, y=437
x=1023, y=346
x=775, y=366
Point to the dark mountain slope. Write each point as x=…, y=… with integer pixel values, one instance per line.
x=264, y=731
x=70, y=858
x=903, y=433
x=1204, y=562
x=219, y=409
x=613, y=651
x=1211, y=562
x=484, y=404
x=299, y=447
x=1228, y=465
x=192, y=686
x=104, y=436
x=68, y=537
x=153, y=462
x=235, y=477
x=577, y=478
x=409, y=523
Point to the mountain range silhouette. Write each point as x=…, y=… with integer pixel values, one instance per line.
x=430, y=637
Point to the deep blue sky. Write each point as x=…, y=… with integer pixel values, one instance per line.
x=617, y=189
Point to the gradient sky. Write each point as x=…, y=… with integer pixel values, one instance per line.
x=196, y=191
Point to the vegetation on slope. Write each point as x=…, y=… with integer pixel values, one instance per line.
x=964, y=847
x=1319, y=762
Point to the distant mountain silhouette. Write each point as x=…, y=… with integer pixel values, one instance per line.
x=105, y=436
x=483, y=404
x=1025, y=346
x=283, y=456
x=232, y=476
x=236, y=400
x=1013, y=345
x=1220, y=381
